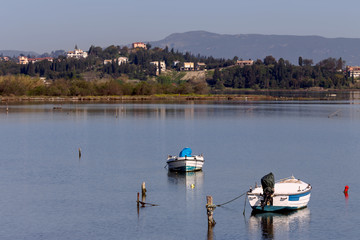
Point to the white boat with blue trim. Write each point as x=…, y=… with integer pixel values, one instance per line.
x=283, y=195
x=185, y=162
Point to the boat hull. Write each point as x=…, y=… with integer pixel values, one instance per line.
x=287, y=196
x=185, y=164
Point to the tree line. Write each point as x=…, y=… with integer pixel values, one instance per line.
x=272, y=74
x=67, y=76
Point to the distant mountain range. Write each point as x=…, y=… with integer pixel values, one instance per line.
x=16, y=53
x=249, y=46
x=257, y=46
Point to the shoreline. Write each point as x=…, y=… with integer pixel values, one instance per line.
x=244, y=95
x=182, y=98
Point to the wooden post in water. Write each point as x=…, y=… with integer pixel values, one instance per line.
x=138, y=199
x=79, y=153
x=210, y=207
x=143, y=190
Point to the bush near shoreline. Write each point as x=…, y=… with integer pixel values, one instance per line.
x=21, y=85
x=18, y=88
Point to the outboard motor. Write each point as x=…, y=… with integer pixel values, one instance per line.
x=268, y=184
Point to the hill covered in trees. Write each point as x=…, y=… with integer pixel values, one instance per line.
x=138, y=76
x=258, y=46
x=281, y=74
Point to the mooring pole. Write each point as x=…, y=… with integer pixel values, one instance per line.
x=210, y=207
x=138, y=199
x=79, y=152
x=143, y=190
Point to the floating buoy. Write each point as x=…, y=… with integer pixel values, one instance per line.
x=192, y=185
x=346, y=189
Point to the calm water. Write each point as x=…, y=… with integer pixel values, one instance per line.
x=47, y=192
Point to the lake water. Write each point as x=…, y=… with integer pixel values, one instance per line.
x=47, y=192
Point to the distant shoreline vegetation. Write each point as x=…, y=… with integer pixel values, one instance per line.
x=101, y=74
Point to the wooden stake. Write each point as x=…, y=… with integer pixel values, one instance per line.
x=138, y=199
x=143, y=190
x=210, y=211
x=79, y=152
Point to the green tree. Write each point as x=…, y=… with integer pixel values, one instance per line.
x=308, y=62
x=300, y=61
x=269, y=60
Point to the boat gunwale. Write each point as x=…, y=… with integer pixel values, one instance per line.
x=185, y=159
x=280, y=194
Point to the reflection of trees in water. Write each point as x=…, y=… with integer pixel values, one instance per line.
x=273, y=224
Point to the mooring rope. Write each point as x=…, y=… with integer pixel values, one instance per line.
x=219, y=205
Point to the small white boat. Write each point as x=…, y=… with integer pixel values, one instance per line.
x=287, y=194
x=185, y=162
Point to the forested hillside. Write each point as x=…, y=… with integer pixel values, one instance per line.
x=139, y=75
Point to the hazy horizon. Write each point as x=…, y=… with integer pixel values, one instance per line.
x=44, y=26
x=127, y=44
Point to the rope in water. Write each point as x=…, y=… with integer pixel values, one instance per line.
x=219, y=205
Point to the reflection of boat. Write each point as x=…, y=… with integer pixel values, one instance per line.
x=286, y=194
x=186, y=187
x=186, y=178
x=185, y=162
x=272, y=224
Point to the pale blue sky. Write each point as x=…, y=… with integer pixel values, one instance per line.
x=46, y=25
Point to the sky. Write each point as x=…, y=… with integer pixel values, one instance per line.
x=46, y=25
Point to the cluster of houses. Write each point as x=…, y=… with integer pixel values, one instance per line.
x=77, y=53
x=4, y=59
x=160, y=65
x=26, y=60
x=120, y=60
x=352, y=71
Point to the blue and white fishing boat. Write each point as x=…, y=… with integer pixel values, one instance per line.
x=285, y=194
x=185, y=162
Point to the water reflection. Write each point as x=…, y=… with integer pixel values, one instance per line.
x=275, y=225
x=190, y=180
x=233, y=109
x=316, y=95
x=192, y=183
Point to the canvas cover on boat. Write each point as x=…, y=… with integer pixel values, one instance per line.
x=186, y=152
x=268, y=183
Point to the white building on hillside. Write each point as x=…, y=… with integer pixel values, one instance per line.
x=121, y=60
x=243, y=63
x=77, y=53
x=23, y=60
x=188, y=66
x=160, y=65
x=353, y=71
